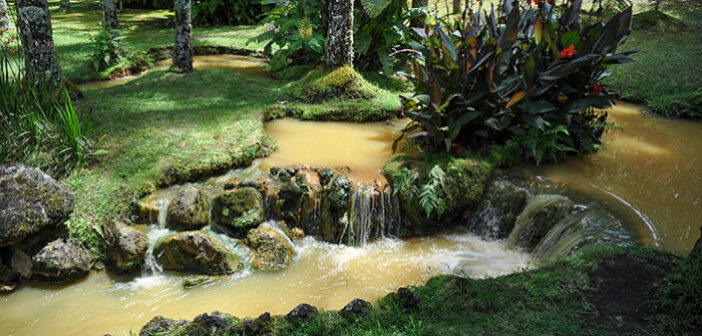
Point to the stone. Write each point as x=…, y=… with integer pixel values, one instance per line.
x=196, y=281
x=296, y=233
x=126, y=247
x=339, y=193
x=30, y=201
x=195, y=252
x=273, y=251
x=188, y=210
x=60, y=261
x=302, y=313
x=498, y=211
x=407, y=298
x=540, y=215
x=159, y=325
x=215, y=323
x=149, y=209
x=257, y=326
x=355, y=309
x=237, y=211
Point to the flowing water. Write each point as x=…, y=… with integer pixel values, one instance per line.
x=324, y=275
x=248, y=66
x=648, y=178
x=651, y=170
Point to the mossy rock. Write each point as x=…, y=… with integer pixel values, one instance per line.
x=238, y=210
x=59, y=261
x=195, y=252
x=30, y=201
x=126, y=247
x=465, y=181
x=272, y=249
x=188, y=211
x=498, y=211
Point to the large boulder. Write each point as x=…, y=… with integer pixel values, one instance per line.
x=540, y=215
x=195, y=252
x=30, y=200
x=355, y=309
x=302, y=313
x=188, y=210
x=59, y=261
x=238, y=210
x=272, y=250
x=126, y=247
x=498, y=211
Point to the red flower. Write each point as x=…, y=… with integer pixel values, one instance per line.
x=569, y=53
x=415, y=159
x=597, y=88
x=608, y=6
x=548, y=1
x=459, y=150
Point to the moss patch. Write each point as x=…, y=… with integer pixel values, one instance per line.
x=456, y=194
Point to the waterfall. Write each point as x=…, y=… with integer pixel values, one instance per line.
x=155, y=234
x=373, y=214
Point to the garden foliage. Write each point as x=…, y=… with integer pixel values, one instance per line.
x=525, y=85
x=213, y=12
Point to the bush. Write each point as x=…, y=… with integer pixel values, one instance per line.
x=105, y=48
x=38, y=124
x=528, y=88
x=300, y=34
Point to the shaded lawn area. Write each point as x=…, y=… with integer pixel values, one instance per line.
x=143, y=29
x=161, y=129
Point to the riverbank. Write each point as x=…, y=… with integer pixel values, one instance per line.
x=604, y=291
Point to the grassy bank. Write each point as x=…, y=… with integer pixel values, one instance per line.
x=604, y=291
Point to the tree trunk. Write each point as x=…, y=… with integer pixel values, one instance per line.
x=340, y=33
x=41, y=62
x=4, y=16
x=109, y=17
x=457, y=6
x=183, y=53
x=419, y=22
x=65, y=5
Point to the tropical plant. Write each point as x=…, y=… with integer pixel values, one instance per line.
x=531, y=83
x=105, y=49
x=38, y=125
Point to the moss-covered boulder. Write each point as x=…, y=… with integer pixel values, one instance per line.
x=540, y=215
x=188, y=210
x=498, y=211
x=160, y=325
x=273, y=251
x=238, y=210
x=436, y=190
x=195, y=252
x=30, y=201
x=126, y=247
x=60, y=261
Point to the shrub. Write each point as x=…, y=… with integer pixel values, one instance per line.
x=528, y=88
x=300, y=34
x=38, y=124
x=105, y=49
x=213, y=12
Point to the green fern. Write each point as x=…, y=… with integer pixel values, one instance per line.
x=374, y=7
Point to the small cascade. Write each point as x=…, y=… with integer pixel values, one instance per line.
x=592, y=226
x=155, y=234
x=539, y=215
x=373, y=214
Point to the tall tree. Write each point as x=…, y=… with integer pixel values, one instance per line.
x=109, y=17
x=4, y=16
x=456, y=6
x=340, y=33
x=183, y=53
x=419, y=22
x=41, y=62
x=65, y=5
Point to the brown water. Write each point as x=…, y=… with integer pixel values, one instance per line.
x=651, y=168
x=248, y=66
x=650, y=172
x=324, y=275
x=364, y=148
